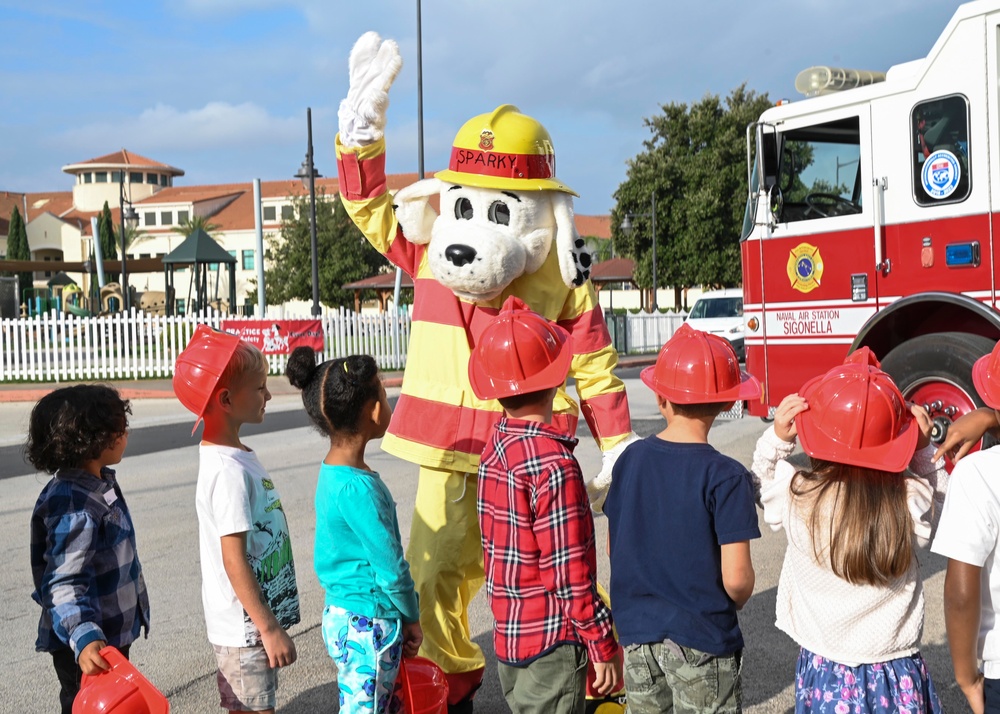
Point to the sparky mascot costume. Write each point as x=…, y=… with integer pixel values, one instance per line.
x=505, y=228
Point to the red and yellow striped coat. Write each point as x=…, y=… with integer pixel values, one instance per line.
x=438, y=422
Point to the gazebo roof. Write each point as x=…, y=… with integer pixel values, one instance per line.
x=615, y=270
x=381, y=281
x=199, y=247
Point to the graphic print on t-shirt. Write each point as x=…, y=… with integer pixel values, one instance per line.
x=269, y=551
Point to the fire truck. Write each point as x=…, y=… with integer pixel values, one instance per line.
x=873, y=219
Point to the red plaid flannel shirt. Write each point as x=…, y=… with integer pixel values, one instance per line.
x=538, y=545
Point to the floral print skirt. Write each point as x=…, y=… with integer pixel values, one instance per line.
x=823, y=686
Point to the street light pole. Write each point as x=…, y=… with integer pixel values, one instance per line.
x=131, y=217
x=653, y=214
x=308, y=174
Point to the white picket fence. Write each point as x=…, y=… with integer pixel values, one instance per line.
x=57, y=347
x=646, y=332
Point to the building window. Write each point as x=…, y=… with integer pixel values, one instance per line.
x=182, y=217
x=100, y=177
x=166, y=218
x=163, y=179
x=88, y=177
x=940, y=131
x=116, y=177
x=135, y=177
x=153, y=179
x=270, y=214
x=287, y=212
x=180, y=306
x=149, y=218
x=213, y=266
x=248, y=260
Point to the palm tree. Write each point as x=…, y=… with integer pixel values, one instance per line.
x=190, y=225
x=132, y=236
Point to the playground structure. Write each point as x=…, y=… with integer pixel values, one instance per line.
x=72, y=300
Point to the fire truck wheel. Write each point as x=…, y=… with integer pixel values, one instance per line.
x=936, y=371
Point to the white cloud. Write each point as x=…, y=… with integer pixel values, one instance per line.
x=213, y=126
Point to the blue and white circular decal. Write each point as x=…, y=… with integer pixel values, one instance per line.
x=940, y=174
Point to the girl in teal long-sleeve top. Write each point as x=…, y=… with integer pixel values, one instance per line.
x=371, y=616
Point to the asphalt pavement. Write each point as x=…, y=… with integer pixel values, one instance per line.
x=158, y=478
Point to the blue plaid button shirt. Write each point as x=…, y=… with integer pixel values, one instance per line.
x=84, y=564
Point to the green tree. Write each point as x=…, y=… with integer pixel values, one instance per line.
x=344, y=256
x=695, y=164
x=18, y=249
x=108, y=240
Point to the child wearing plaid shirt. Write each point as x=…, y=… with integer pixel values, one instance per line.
x=84, y=563
x=537, y=530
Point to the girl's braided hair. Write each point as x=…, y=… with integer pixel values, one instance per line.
x=334, y=392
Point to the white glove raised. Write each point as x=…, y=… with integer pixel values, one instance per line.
x=374, y=65
x=597, y=488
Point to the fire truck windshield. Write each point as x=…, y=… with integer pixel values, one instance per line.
x=820, y=171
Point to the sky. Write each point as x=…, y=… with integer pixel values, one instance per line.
x=219, y=88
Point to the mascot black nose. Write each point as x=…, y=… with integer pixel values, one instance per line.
x=460, y=254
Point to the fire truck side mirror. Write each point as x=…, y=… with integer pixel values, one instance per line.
x=768, y=150
x=775, y=202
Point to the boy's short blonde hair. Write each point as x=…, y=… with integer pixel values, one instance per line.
x=246, y=359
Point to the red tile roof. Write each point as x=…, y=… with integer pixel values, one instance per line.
x=123, y=158
x=597, y=226
x=236, y=215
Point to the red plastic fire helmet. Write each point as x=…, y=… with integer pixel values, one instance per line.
x=200, y=366
x=519, y=352
x=857, y=416
x=425, y=688
x=694, y=367
x=121, y=690
x=986, y=377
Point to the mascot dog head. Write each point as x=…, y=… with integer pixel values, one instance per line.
x=502, y=209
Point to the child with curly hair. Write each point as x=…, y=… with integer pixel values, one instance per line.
x=371, y=615
x=84, y=563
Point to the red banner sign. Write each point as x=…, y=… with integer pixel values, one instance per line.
x=278, y=337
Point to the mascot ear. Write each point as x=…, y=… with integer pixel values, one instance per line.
x=574, y=258
x=413, y=209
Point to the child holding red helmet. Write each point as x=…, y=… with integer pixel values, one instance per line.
x=968, y=536
x=680, y=518
x=539, y=553
x=850, y=591
x=371, y=616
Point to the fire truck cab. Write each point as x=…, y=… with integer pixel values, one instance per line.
x=873, y=218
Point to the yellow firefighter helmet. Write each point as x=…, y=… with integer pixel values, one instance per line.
x=504, y=149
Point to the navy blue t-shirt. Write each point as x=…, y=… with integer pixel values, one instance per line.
x=670, y=508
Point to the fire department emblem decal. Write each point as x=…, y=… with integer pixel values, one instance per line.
x=486, y=140
x=805, y=267
x=940, y=174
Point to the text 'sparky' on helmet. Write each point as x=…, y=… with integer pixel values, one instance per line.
x=504, y=150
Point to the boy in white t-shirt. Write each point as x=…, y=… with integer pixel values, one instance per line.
x=248, y=576
x=968, y=534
